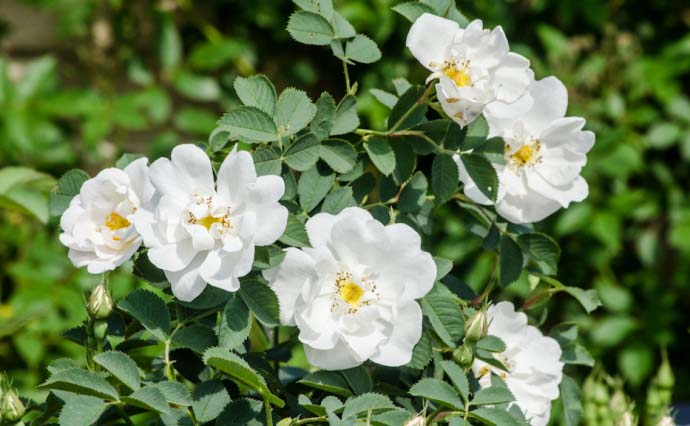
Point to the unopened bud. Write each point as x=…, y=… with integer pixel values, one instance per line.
x=476, y=326
x=11, y=407
x=100, y=303
x=666, y=421
x=416, y=421
x=665, y=378
x=285, y=422
x=464, y=356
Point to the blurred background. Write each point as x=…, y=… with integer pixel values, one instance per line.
x=82, y=81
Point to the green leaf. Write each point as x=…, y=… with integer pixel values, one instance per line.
x=313, y=186
x=197, y=87
x=495, y=417
x=239, y=370
x=303, y=153
x=413, y=194
x=457, y=377
x=572, y=401
x=362, y=49
x=329, y=381
x=295, y=234
x=413, y=10
x=293, y=111
x=267, y=161
x=262, y=301
x=381, y=154
x=444, y=177
x=346, y=118
x=482, y=174
x=235, y=324
x=175, y=393
x=365, y=403
x=439, y=392
x=587, y=298
x=82, y=382
x=359, y=379
x=443, y=267
x=445, y=317
x=36, y=77
x=405, y=161
x=341, y=26
x=492, y=396
x=257, y=91
x=208, y=400
x=421, y=354
x=310, y=28
x=148, y=398
x=195, y=337
x=324, y=119
x=339, y=154
x=476, y=135
x=388, y=99
x=67, y=187
x=121, y=366
x=541, y=249
x=663, y=135
x=240, y=412
x=212, y=55
x=491, y=344
x=250, y=123
x=80, y=410
x=149, y=310
x=170, y=47
x=400, y=117
x=26, y=190
x=337, y=200
x=510, y=260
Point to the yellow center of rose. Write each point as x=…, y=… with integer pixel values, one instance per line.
x=459, y=76
x=208, y=221
x=116, y=222
x=351, y=293
x=527, y=155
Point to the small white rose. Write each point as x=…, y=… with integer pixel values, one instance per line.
x=353, y=293
x=98, y=224
x=205, y=232
x=474, y=65
x=544, y=155
x=532, y=359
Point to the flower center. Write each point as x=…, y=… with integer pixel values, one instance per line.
x=527, y=155
x=208, y=221
x=459, y=76
x=115, y=222
x=351, y=293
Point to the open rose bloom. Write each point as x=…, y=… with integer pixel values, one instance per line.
x=205, y=232
x=474, y=65
x=98, y=225
x=352, y=294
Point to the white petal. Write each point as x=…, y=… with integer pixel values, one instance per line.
x=485, y=48
x=187, y=284
x=194, y=166
x=576, y=190
x=407, y=330
x=338, y=358
x=319, y=226
x=288, y=279
x=167, y=181
x=235, y=176
x=550, y=103
x=530, y=208
x=138, y=172
x=429, y=37
x=172, y=257
x=511, y=78
x=317, y=327
x=271, y=216
x=221, y=269
x=461, y=109
x=559, y=166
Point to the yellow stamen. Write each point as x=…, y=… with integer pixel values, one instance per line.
x=116, y=222
x=459, y=76
x=351, y=293
x=208, y=221
x=524, y=155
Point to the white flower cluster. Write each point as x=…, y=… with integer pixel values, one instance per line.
x=544, y=150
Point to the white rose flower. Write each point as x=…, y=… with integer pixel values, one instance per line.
x=474, y=65
x=97, y=225
x=544, y=154
x=667, y=421
x=201, y=232
x=532, y=359
x=353, y=293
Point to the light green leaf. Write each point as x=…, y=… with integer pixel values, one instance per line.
x=339, y=154
x=313, y=186
x=362, y=49
x=195, y=337
x=443, y=267
x=250, y=123
x=80, y=410
x=67, y=187
x=444, y=177
x=587, y=298
x=303, y=153
x=329, y=381
x=476, y=135
x=346, y=118
x=421, y=354
x=197, y=87
x=510, y=260
x=148, y=398
x=413, y=10
x=492, y=396
x=310, y=28
x=482, y=173
x=388, y=99
x=439, y=392
x=82, y=382
x=235, y=324
x=541, y=249
x=495, y=417
x=491, y=344
x=26, y=190
x=363, y=404
x=341, y=26
x=445, y=317
x=121, y=366
x=267, y=161
x=175, y=393
x=324, y=119
x=293, y=111
x=295, y=234
x=572, y=401
x=381, y=154
x=149, y=310
x=262, y=301
x=239, y=370
x=337, y=200
x=257, y=91
x=170, y=47
x=208, y=400
x=413, y=194
x=212, y=55
x=457, y=377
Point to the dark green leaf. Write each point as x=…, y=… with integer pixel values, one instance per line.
x=239, y=412
x=400, y=118
x=495, y=417
x=339, y=154
x=445, y=317
x=359, y=379
x=439, y=392
x=250, y=123
x=195, y=337
x=262, y=301
x=67, y=187
x=303, y=153
x=121, y=366
x=337, y=200
x=208, y=400
x=510, y=261
x=492, y=396
x=329, y=381
x=175, y=393
x=413, y=10
x=482, y=173
x=541, y=249
x=148, y=398
x=413, y=194
x=381, y=154
x=149, y=310
x=81, y=382
x=363, y=404
x=444, y=177
x=476, y=135
x=267, y=161
x=235, y=324
x=346, y=118
x=80, y=410
x=491, y=344
x=457, y=377
x=324, y=119
x=313, y=186
x=587, y=298
x=572, y=401
x=421, y=354
x=295, y=234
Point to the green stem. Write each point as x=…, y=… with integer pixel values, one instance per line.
x=347, y=77
x=124, y=415
x=420, y=101
x=309, y=421
x=269, y=413
x=169, y=373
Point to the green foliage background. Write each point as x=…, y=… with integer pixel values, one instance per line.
x=112, y=76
